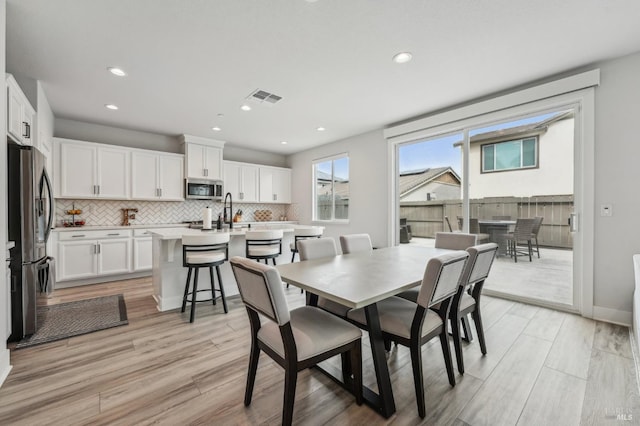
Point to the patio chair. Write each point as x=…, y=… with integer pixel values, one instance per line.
x=521, y=236
x=536, y=229
x=446, y=219
x=474, y=228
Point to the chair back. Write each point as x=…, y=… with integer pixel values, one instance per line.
x=313, y=231
x=317, y=248
x=455, y=240
x=536, y=225
x=481, y=258
x=474, y=226
x=206, y=241
x=263, y=235
x=261, y=289
x=442, y=277
x=523, y=229
x=446, y=219
x=355, y=242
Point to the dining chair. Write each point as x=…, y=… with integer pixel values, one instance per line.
x=467, y=298
x=521, y=236
x=414, y=324
x=296, y=339
x=536, y=229
x=264, y=244
x=318, y=249
x=207, y=250
x=303, y=234
x=355, y=242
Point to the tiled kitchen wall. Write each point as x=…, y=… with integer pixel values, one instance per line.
x=103, y=212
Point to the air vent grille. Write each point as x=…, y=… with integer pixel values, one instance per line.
x=262, y=96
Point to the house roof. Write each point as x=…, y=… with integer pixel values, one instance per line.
x=526, y=129
x=413, y=179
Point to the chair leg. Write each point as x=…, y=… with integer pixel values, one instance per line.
x=273, y=259
x=477, y=319
x=347, y=368
x=537, y=248
x=457, y=341
x=254, y=356
x=387, y=345
x=356, y=369
x=530, y=250
x=446, y=352
x=416, y=365
x=224, y=301
x=293, y=256
x=466, y=327
x=213, y=286
x=193, y=296
x=186, y=290
x=290, y=378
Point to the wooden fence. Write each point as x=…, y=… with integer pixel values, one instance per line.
x=428, y=217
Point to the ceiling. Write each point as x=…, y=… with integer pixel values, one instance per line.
x=330, y=60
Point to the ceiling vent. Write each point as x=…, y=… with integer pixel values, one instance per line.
x=264, y=97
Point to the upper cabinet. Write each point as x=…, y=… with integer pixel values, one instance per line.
x=88, y=170
x=20, y=114
x=241, y=180
x=203, y=157
x=275, y=185
x=157, y=176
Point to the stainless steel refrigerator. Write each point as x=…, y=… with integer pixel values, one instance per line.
x=30, y=219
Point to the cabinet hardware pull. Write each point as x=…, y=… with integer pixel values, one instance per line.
x=113, y=235
x=98, y=189
x=99, y=248
x=78, y=236
x=160, y=191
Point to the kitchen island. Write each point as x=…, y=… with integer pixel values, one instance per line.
x=169, y=276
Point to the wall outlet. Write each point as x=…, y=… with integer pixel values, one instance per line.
x=606, y=210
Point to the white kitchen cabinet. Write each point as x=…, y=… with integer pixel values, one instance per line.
x=88, y=170
x=275, y=185
x=142, y=253
x=203, y=157
x=157, y=176
x=241, y=180
x=20, y=114
x=88, y=254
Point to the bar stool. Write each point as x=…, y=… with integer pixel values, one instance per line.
x=264, y=245
x=207, y=250
x=303, y=234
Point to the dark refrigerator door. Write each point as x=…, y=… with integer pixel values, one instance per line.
x=35, y=205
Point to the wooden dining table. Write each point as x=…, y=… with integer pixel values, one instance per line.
x=360, y=280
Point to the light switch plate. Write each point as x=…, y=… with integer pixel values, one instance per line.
x=606, y=210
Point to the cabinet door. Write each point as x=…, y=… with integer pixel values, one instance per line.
x=171, y=182
x=266, y=185
x=282, y=186
x=113, y=173
x=77, y=170
x=28, y=118
x=196, y=161
x=114, y=256
x=142, y=258
x=144, y=176
x=213, y=163
x=14, y=118
x=231, y=180
x=249, y=188
x=77, y=259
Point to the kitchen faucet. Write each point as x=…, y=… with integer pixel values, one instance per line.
x=224, y=210
x=128, y=214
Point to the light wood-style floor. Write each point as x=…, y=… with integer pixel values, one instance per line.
x=543, y=368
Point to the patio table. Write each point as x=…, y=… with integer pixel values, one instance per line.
x=497, y=230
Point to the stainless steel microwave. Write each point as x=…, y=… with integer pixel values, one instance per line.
x=202, y=189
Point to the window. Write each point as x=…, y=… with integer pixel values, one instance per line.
x=510, y=155
x=331, y=189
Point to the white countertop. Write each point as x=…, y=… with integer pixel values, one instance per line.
x=160, y=225
x=177, y=233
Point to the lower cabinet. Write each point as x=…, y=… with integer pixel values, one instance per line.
x=142, y=254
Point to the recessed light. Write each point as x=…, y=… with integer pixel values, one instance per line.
x=111, y=106
x=245, y=108
x=283, y=142
x=117, y=71
x=216, y=129
x=402, y=57
x=220, y=114
x=321, y=129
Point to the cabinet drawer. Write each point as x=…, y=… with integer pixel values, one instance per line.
x=84, y=235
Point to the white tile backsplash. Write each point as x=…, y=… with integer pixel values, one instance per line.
x=104, y=212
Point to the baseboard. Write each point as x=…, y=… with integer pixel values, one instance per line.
x=635, y=351
x=5, y=366
x=102, y=279
x=613, y=316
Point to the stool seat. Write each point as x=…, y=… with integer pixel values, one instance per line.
x=263, y=251
x=206, y=250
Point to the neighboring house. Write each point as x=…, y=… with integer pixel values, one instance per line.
x=323, y=194
x=524, y=161
x=438, y=183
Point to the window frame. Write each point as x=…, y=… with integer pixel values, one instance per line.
x=536, y=155
x=314, y=212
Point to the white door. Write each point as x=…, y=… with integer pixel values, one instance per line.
x=76, y=259
x=249, y=179
x=171, y=182
x=113, y=173
x=142, y=256
x=144, y=175
x=213, y=163
x=114, y=256
x=196, y=161
x=77, y=170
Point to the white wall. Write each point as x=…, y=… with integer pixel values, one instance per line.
x=4, y=352
x=245, y=155
x=554, y=176
x=617, y=175
x=368, y=183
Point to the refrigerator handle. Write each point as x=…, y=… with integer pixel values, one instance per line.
x=50, y=191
